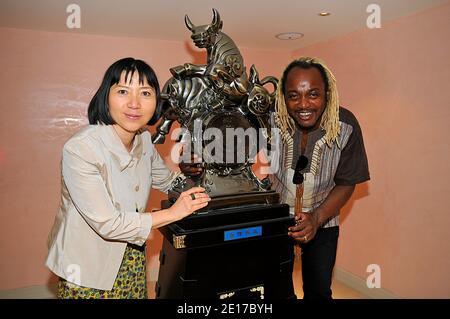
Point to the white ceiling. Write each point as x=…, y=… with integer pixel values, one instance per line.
x=250, y=23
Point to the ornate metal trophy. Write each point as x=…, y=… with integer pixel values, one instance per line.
x=238, y=246
x=225, y=114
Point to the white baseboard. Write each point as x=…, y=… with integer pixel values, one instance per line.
x=359, y=284
x=49, y=291
x=32, y=292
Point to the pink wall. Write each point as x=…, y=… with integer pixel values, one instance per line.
x=396, y=80
x=47, y=79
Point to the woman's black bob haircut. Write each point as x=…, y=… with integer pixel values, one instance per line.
x=98, y=111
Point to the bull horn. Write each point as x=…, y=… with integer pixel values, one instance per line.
x=216, y=18
x=188, y=22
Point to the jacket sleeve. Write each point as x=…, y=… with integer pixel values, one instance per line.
x=162, y=177
x=90, y=197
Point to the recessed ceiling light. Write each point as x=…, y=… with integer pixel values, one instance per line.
x=289, y=35
x=324, y=14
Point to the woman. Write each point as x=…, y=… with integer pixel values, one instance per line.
x=97, y=244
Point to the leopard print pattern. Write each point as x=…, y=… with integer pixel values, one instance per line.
x=130, y=282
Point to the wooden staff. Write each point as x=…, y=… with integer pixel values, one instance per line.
x=298, y=202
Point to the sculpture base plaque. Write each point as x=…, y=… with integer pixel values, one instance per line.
x=237, y=252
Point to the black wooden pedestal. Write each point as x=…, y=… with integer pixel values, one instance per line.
x=240, y=252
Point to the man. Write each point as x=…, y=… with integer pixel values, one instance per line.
x=323, y=153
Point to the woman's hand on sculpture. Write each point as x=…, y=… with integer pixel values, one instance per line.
x=189, y=201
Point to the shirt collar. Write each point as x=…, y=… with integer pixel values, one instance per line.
x=114, y=145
